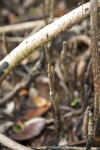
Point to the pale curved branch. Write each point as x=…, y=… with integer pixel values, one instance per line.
x=47, y=33
x=4, y=140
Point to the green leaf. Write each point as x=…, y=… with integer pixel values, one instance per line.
x=17, y=128
x=74, y=102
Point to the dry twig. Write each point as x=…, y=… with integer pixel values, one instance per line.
x=90, y=135
x=21, y=26
x=6, y=48
x=86, y=121
x=63, y=59
x=47, y=54
x=53, y=98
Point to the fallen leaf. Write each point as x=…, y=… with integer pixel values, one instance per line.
x=74, y=102
x=33, y=120
x=33, y=130
x=23, y=92
x=17, y=128
x=40, y=101
x=36, y=112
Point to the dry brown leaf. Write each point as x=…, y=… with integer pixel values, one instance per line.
x=30, y=131
x=40, y=101
x=23, y=92
x=36, y=112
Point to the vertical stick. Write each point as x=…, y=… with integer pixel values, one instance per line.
x=54, y=98
x=96, y=59
x=94, y=46
x=47, y=54
x=90, y=132
x=52, y=3
x=63, y=59
x=86, y=121
x=6, y=47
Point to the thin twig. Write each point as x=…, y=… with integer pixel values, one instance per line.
x=22, y=26
x=86, y=121
x=96, y=112
x=6, y=48
x=63, y=59
x=47, y=54
x=13, y=39
x=52, y=4
x=90, y=132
